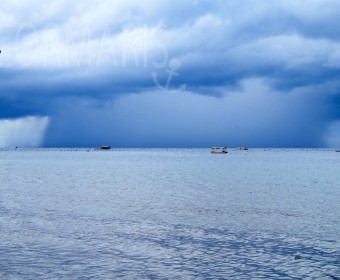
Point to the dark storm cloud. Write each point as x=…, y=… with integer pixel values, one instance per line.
x=78, y=60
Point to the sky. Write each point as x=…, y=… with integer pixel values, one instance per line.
x=167, y=73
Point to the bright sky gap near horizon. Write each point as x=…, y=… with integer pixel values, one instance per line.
x=170, y=73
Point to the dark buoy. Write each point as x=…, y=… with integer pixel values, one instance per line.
x=297, y=257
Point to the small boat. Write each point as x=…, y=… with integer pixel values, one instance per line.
x=242, y=148
x=105, y=148
x=219, y=150
x=338, y=151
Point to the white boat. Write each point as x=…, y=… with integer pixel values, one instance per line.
x=219, y=150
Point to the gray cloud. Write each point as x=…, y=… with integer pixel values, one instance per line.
x=257, y=72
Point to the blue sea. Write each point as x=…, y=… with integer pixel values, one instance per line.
x=169, y=214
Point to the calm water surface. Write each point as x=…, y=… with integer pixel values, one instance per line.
x=169, y=214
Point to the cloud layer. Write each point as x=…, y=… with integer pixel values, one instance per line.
x=23, y=132
x=168, y=73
